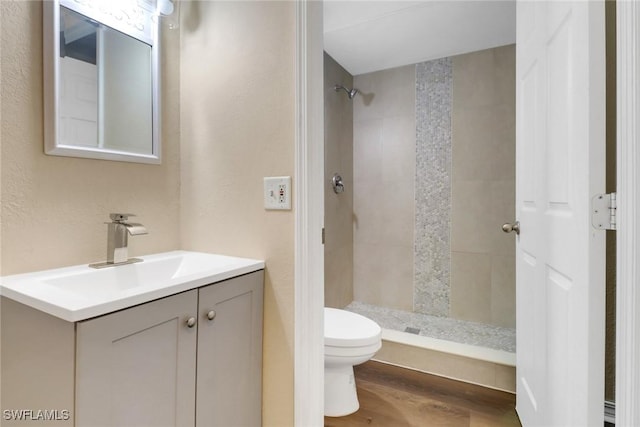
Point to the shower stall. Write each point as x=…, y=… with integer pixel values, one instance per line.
x=426, y=153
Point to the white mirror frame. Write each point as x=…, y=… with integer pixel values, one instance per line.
x=51, y=72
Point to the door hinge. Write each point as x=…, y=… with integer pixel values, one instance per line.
x=604, y=211
x=610, y=412
x=323, y=235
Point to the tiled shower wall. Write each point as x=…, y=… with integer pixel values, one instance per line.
x=433, y=187
x=434, y=179
x=338, y=208
x=384, y=179
x=483, y=187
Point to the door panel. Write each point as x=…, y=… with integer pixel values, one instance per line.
x=78, y=103
x=559, y=257
x=137, y=367
x=230, y=353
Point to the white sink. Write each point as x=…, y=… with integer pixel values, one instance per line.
x=80, y=292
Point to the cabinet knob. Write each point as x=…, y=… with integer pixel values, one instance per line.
x=191, y=322
x=211, y=315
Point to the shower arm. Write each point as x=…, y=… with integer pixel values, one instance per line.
x=350, y=93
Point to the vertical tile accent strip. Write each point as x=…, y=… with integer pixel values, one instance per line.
x=433, y=187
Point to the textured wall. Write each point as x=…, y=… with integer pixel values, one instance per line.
x=433, y=187
x=1, y=68
x=238, y=94
x=54, y=208
x=237, y=126
x=384, y=175
x=338, y=208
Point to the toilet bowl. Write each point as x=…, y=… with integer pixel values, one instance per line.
x=349, y=339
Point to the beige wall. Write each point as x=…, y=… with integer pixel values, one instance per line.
x=338, y=208
x=237, y=126
x=238, y=112
x=483, y=187
x=54, y=208
x=383, y=179
x=1, y=85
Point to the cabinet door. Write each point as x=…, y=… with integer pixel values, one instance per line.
x=229, y=385
x=136, y=367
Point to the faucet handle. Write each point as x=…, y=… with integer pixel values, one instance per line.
x=119, y=217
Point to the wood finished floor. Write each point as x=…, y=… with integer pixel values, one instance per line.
x=396, y=397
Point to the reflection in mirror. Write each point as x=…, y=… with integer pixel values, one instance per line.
x=79, y=80
x=105, y=86
x=101, y=80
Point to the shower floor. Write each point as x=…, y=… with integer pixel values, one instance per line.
x=444, y=328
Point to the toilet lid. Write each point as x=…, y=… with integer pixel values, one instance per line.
x=346, y=329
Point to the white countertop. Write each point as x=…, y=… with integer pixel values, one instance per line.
x=81, y=292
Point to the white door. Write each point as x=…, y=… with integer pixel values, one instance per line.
x=559, y=257
x=78, y=103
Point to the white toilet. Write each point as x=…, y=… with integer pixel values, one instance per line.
x=349, y=339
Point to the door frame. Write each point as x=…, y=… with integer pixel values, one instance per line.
x=628, y=232
x=309, y=217
x=309, y=205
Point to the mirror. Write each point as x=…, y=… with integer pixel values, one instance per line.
x=101, y=80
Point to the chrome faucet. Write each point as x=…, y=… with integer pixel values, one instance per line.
x=117, y=240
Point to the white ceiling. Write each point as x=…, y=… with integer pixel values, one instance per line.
x=365, y=36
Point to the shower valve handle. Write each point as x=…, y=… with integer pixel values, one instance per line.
x=338, y=185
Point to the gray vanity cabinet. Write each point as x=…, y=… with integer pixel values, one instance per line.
x=136, y=367
x=194, y=358
x=229, y=382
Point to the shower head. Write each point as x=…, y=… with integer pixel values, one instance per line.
x=350, y=93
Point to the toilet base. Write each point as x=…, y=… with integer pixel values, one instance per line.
x=340, y=397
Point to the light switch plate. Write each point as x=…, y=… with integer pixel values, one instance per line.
x=277, y=192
